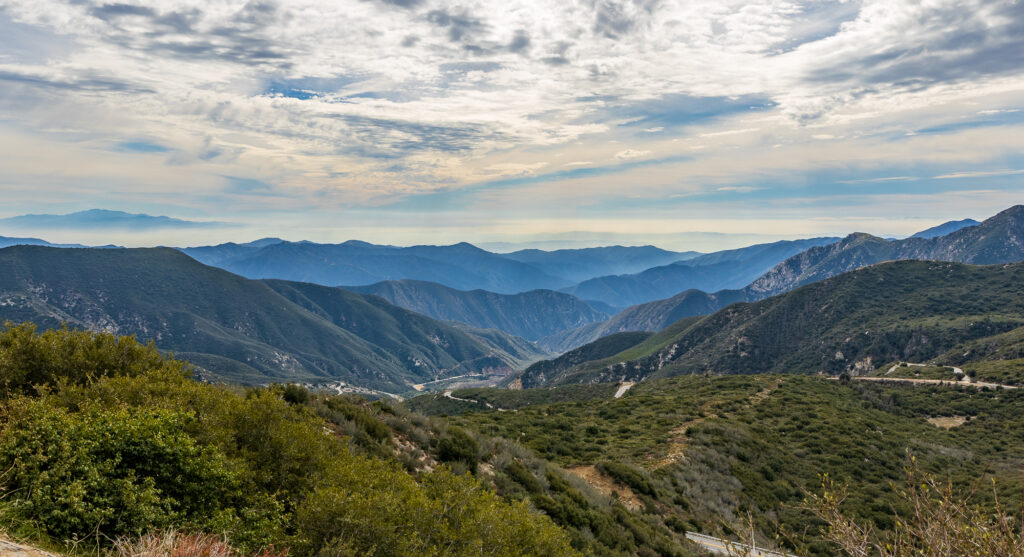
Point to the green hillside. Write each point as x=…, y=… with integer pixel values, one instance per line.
x=701, y=452
x=136, y=448
x=900, y=311
x=538, y=373
x=531, y=315
x=245, y=330
x=106, y=457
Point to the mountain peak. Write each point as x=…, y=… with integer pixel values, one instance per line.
x=946, y=228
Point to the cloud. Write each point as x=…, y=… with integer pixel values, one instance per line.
x=628, y=154
x=367, y=103
x=978, y=174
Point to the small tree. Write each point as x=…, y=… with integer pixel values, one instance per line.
x=941, y=523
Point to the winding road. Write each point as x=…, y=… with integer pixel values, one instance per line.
x=961, y=379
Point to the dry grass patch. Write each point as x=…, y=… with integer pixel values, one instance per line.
x=948, y=422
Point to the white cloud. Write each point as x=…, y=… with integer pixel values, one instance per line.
x=628, y=154
x=396, y=102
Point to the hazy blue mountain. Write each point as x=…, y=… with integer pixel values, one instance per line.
x=531, y=315
x=651, y=316
x=222, y=254
x=999, y=239
x=730, y=269
x=101, y=218
x=248, y=331
x=946, y=228
x=578, y=265
x=8, y=242
x=353, y=263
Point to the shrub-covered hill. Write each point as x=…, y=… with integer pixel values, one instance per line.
x=898, y=311
x=120, y=443
x=702, y=452
x=537, y=374
x=243, y=330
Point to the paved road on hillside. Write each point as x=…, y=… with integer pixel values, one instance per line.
x=726, y=547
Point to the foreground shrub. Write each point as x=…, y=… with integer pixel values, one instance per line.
x=376, y=509
x=108, y=472
x=28, y=359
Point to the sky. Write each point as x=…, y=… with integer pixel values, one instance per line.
x=686, y=124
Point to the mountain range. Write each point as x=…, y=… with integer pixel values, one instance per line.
x=895, y=311
x=722, y=270
x=946, y=228
x=577, y=265
x=242, y=330
x=103, y=218
x=353, y=263
x=998, y=239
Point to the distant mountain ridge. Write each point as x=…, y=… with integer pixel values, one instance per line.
x=103, y=218
x=998, y=239
x=946, y=228
x=531, y=315
x=6, y=242
x=353, y=263
x=247, y=331
x=578, y=265
x=722, y=270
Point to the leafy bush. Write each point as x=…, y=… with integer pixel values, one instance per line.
x=28, y=359
x=112, y=472
x=627, y=475
x=458, y=447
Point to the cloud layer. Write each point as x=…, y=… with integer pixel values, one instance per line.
x=530, y=112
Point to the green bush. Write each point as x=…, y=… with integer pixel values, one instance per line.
x=28, y=359
x=523, y=476
x=628, y=475
x=111, y=472
x=376, y=509
x=458, y=447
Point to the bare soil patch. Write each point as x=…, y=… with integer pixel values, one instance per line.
x=606, y=486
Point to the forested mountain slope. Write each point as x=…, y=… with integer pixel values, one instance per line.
x=999, y=239
x=245, y=330
x=905, y=310
x=531, y=315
